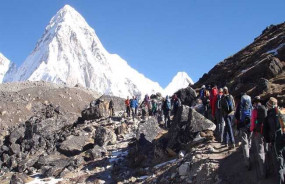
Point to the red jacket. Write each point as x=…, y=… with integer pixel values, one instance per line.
x=213, y=100
x=253, y=119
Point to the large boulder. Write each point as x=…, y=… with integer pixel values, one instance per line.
x=119, y=103
x=104, y=136
x=98, y=109
x=148, y=130
x=74, y=145
x=187, y=96
x=94, y=153
x=186, y=126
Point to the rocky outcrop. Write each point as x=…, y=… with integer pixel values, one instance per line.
x=97, y=109
x=187, y=95
x=187, y=124
x=258, y=69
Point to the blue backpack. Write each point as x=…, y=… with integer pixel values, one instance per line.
x=227, y=104
x=168, y=104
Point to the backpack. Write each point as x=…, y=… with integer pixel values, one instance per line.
x=246, y=103
x=218, y=103
x=261, y=115
x=227, y=104
x=281, y=119
x=168, y=104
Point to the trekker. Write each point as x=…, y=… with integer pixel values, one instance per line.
x=219, y=116
x=207, y=106
x=176, y=104
x=228, y=106
x=166, y=107
x=245, y=107
x=213, y=99
x=246, y=134
x=134, y=106
x=202, y=92
x=127, y=104
x=274, y=134
x=258, y=116
x=111, y=108
x=153, y=107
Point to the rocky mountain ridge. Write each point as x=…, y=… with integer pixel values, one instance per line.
x=258, y=69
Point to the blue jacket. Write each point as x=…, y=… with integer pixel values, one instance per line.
x=134, y=103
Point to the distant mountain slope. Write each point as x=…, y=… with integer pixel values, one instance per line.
x=180, y=80
x=6, y=68
x=70, y=52
x=257, y=69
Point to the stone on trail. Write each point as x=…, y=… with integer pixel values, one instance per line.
x=104, y=136
x=73, y=145
x=184, y=169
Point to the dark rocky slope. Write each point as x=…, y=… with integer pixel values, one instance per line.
x=257, y=69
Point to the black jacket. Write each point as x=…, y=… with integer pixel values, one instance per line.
x=271, y=125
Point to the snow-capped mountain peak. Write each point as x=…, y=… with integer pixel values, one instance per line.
x=70, y=52
x=180, y=80
x=6, y=68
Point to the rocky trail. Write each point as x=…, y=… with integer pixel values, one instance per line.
x=53, y=147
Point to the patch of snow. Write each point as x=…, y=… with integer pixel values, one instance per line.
x=38, y=179
x=165, y=163
x=275, y=51
x=118, y=155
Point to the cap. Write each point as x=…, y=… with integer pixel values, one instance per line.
x=272, y=103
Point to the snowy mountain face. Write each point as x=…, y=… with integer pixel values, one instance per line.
x=7, y=68
x=69, y=52
x=181, y=80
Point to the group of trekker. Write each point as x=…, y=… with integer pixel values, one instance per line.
x=260, y=128
x=154, y=105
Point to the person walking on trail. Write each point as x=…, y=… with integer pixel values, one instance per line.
x=128, y=108
x=176, y=104
x=207, y=105
x=153, y=107
x=245, y=108
x=166, y=107
x=134, y=106
x=111, y=108
x=274, y=134
x=202, y=92
x=258, y=116
x=213, y=99
x=219, y=116
x=228, y=106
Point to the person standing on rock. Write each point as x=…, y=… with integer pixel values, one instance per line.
x=111, y=108
x=228, y=106
x=166, y=107
x=128, y=108
x=134, y=106
x=207, y=105
x=274, y=135
x=258, y=116
x=219, y=116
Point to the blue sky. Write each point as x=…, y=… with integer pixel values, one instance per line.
x=156, y=37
